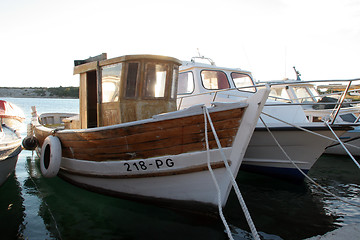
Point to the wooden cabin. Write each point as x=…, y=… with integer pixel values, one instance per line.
x=125, y=89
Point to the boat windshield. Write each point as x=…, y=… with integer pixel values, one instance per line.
x=185, y=83
x=110, y=82
x=279, y=94
x=214, y=80
x=155, y=80
x=303, y=94
x=243, y=81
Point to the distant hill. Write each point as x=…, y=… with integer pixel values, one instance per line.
x=56, y=92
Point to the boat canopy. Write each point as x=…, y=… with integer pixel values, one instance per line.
x=8, y=110
x=127, y=88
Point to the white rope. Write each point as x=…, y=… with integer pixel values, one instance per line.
x=342, y=144
x=301, y=171
x=234, y=184
x=215, y=181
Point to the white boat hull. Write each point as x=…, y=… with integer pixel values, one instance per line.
x=10, y=147
x=7, y=167
x=264, y=156
x=352, y=143
x=166, y=178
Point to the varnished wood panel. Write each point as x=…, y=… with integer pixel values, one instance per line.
x=169, y=137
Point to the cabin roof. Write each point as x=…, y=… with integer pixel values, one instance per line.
x=90, y=66
x=187, y=65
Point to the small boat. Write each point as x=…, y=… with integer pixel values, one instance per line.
x=11, y=118
x=129, y=140
x=205, y=83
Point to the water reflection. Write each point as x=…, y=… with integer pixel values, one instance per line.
x=34, y=207
x=284, y=209
x=298, y=211
x=11, y=209
x=339, y=175
x=70, y=212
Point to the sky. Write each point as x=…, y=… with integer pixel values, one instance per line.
x=40, y=39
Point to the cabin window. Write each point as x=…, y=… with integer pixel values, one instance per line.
x=214, y=79
x=155, y=80
x=302, y=94
x=243, y=81
x=174, y=82
x=110, y=82
x=131, y=80
x=185, y=83
x=280, y=94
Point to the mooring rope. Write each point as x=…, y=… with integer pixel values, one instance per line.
x=306, y=130
x=234, y=184
x=342, y=144
x=215, y=181
x=302, y=172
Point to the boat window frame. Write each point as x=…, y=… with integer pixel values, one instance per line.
x=242, y=90
x=193, y=85
x=174, y=80
x=125, y=77
x=214, y=70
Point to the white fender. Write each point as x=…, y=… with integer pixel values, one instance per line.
x=50, y=158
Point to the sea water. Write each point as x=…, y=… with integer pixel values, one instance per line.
x=34, y=207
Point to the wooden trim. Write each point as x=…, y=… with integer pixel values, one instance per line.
x=83, y=68
x=140, y=58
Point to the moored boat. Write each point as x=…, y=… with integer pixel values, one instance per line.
x=322, y=107
x=11, y=118
x=206, y=83
x=129, y=139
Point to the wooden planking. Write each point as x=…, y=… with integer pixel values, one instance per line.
x=174, y=150
x=151, y=126
x=226, y=137
x=169, y=137
x=169, y=141
x=140, y=143
x=155, y=135
x=41, y=135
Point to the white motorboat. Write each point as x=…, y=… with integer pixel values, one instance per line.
x=208, y=83
x=322, y=107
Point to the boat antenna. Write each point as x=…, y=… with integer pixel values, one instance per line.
x=298, y=74
x=202, y=57
x=198, y=50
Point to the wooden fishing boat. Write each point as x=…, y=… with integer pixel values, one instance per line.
x=11, y=118
x=130, y=141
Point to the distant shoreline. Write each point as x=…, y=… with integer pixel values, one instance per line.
x=40, y=92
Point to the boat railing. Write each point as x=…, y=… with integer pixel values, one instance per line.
x=336, y=106
x=342, y=102
x=215, y=93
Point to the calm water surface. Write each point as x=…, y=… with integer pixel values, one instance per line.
x=33, y=207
